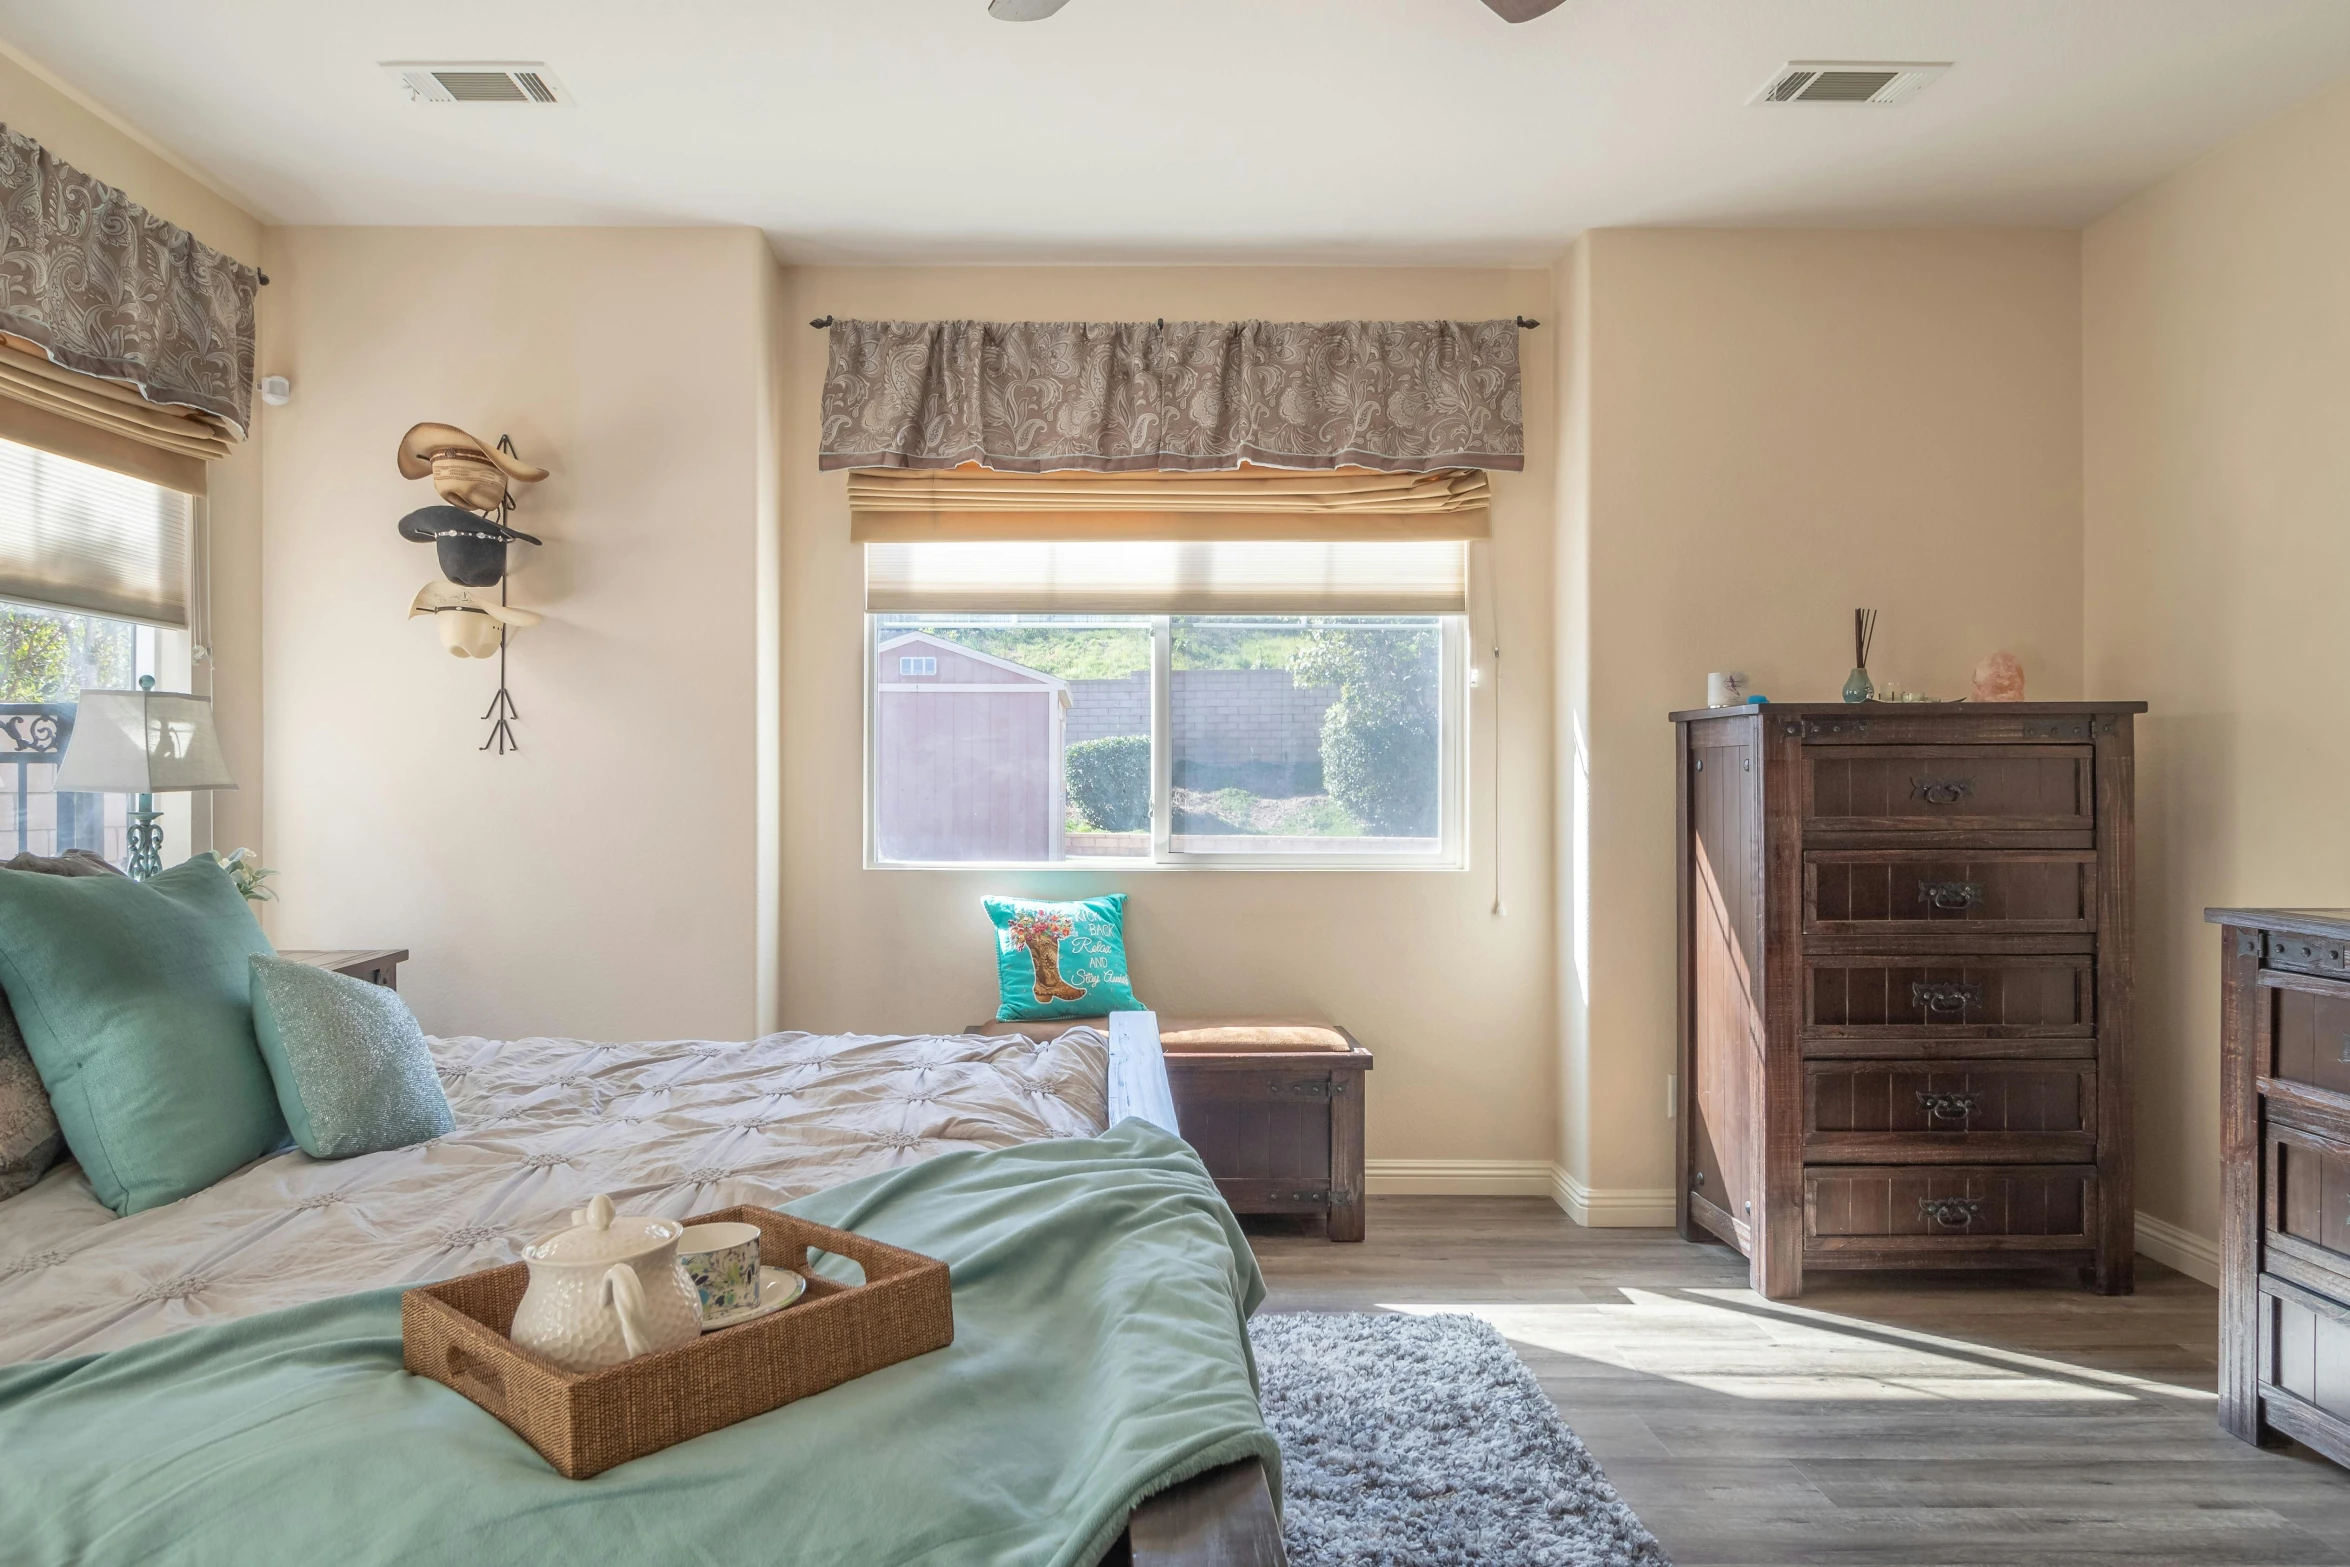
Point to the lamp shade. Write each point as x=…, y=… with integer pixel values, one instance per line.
x=142, y=742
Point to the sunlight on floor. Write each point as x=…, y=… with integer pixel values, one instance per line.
x=1732, y=1341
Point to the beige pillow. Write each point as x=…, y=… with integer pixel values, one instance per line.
x=29, y=1139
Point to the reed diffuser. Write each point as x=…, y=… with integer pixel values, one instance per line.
x=1864, y=631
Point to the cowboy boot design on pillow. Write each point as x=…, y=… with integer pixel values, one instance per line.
x=1041, y=934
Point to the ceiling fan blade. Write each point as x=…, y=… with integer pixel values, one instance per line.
x=1031, y=10
x=1522, y=10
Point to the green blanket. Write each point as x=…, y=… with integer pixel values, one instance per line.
x=1101, y=1288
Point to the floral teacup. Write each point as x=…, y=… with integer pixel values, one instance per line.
x=723, y=1262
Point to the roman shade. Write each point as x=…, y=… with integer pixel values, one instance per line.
x=973, y=503
x=115, y=300
x=1168, y=577
x=1139, y=396
x=91, y=541
x=103, y=424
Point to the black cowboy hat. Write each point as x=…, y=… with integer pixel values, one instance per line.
x=472, y=548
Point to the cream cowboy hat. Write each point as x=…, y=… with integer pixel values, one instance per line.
x=471, y=620
x=466, y=471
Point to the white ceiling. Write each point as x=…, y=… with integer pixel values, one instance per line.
x=1220, y=130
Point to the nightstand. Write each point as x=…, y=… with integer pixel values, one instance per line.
x=376, y=965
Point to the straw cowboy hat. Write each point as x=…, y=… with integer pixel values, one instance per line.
x=470, y=619
x=466, y=471
x=471, y=547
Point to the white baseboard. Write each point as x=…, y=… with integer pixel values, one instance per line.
x=1652, y=1207
x=1623, y=1208
x=1457, y=1177
x=1611, y=1208
x=2184, y=1250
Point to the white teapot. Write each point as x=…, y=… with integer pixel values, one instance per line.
x=606, y=1290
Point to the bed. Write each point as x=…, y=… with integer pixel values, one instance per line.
x=672, y=1128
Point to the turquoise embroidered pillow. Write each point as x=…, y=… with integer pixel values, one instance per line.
x=1061, y=959
x=352, y=1070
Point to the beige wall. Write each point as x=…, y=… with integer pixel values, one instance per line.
x=604, y=881
x=1780, y=426
x=2217, y=330
x=103, y=148
x=1456, y=1000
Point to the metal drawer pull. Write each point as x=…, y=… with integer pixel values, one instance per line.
x=1951, y=894
x=1953, y=1211
x=1941, y=791
x=1954, y=1107
x=1946, y=995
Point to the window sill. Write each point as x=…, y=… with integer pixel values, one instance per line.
x=1105, y=865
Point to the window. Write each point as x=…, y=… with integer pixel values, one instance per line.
x=47, y=658
x=95, y=591
x=1209, y=739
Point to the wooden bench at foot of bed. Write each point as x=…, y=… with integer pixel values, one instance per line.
x=1274, y=1107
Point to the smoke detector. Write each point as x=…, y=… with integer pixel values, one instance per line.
x=477, y=81
x=1849, y=81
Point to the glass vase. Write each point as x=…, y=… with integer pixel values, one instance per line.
x=1857, y=687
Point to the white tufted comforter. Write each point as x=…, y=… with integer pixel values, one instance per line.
x=542, y=1125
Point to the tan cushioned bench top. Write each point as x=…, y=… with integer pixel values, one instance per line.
x=1202, y=1036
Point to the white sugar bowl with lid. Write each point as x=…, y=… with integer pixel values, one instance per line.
x=606, y=1290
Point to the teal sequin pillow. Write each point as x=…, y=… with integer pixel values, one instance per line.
x=352, y=1070
x=1061, y=959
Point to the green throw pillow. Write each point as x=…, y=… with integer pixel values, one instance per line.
x=1061, y=959
x=352, y=1070
x=133, y=1001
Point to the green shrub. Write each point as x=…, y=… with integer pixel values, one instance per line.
x=1110, y=782
x=1380, y=772
x=1381, y=738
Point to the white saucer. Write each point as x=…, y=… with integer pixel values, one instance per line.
x=778, y=1288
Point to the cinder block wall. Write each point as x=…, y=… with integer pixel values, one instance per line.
x=1254, y=728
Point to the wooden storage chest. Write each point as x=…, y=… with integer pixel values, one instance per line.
x=1905, y=944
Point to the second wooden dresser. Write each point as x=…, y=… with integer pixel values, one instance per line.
x=1905, y=986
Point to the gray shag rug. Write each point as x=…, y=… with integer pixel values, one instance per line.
x=1414, y=1441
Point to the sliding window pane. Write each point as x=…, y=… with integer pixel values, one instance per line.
x=1307, y=735
x=1011, y=738
x=48, y=658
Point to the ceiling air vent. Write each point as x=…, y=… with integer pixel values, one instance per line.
x=477, y=81
x=1848, y=81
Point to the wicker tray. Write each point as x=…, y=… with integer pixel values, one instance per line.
x=455, y=1333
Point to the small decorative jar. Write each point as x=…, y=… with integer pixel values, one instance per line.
x=1856, y=685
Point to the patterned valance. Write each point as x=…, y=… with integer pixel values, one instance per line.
x=1125, y=396
x=104, y=287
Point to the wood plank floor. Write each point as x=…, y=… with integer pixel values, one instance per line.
x=1937, y=1419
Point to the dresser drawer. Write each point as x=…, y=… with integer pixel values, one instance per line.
x=1949, y=788
x=1955, y=1112
x=2308, y=1032
x=2307, y=1198
x=1889, y=892
x=2014, y=1208
x=1873, y=1005
x=2304, y=1355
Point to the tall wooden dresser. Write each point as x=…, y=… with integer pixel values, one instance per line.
x=1905, y=938
x=2284, y=1104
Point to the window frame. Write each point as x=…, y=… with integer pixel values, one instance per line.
x=1453, y=744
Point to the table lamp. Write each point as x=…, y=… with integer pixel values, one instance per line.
x=144, y=742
